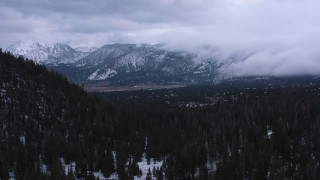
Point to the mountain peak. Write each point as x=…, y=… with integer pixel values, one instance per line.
x=58, y=53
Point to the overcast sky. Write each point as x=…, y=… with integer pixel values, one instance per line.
x=284, y=34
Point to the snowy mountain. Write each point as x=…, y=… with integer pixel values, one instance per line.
x=132, y=59
x=123, y=63
x=48, y=54
x=35, y=51
x=132, y=64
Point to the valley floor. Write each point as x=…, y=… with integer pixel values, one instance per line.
x=129, y=88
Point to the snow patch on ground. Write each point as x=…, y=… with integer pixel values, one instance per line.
x=107, y=74
x=22, y=139
x=269, y=133
x=99, y=174
x=93, y=75
x=68, y=167
x=12, y=176
x=212, y=166
x=144, y=167
x=114, y=157
x=72, y=167
x=44, y=168
x=97, y=75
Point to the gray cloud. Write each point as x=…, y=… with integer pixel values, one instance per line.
x=282, y=36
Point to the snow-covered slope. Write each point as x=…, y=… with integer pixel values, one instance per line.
x=86, y=49
x=49, y=54
x=62, y=53
x=35, y=51
x=104, y=53
x=101, y=75
x=125, y=59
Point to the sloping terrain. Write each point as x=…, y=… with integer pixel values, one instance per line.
x=51, y=129
x=122, y=64
x=49, y=54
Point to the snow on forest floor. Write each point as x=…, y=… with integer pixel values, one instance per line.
x=144, y=167
x=71, y=167
x=113, y=176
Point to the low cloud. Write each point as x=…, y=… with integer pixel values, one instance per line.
x=277, y=37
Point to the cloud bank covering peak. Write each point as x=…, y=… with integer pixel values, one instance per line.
x=281, y=37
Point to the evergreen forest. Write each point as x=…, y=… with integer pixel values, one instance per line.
x=52, y=129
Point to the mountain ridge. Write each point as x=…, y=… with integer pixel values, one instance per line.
x=133, y=65
x=57, y=53
x=119, y=63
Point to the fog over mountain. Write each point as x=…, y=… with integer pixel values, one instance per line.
x=275, y=37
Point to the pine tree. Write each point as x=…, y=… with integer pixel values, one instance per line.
x=149, y=175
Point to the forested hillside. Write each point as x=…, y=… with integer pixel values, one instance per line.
x=44, y=119
x=51, y=129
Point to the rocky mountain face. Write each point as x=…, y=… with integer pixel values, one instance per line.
x=130, y=59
